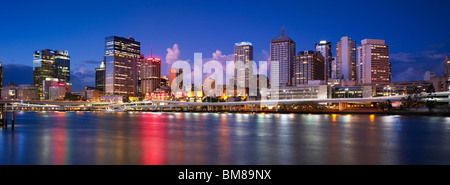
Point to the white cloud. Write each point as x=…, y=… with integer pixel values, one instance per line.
x=173, y=54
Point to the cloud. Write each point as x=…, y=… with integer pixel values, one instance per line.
x=219, y=56
x=82, y=77
x=222, y=58
x=173, y=54
x=412, y=66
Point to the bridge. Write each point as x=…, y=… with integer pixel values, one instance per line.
x=211, y=106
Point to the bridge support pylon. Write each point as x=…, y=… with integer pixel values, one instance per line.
x=342, y=106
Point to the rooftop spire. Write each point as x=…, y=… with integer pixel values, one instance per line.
x=282, y=31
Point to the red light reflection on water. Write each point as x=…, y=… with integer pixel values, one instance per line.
x=59, y=139
x=153, y=138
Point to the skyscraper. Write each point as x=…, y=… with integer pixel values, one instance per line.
x=243, y=52
x=346, y=59
x=446, y=65
x=373, y=62
x=307, y=66
x=50, y=64
x=121, y=58
x=150, y=75
x=282, y=51
x=100, y=76
x=324, y=48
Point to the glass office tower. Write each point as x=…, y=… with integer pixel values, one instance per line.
x=50, y=64
x=121, y=57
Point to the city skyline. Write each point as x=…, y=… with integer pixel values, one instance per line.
x=86, y=43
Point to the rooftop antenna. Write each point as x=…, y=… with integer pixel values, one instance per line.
x=282, y=30
x=151, y=51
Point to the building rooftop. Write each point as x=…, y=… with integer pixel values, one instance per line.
x=282, y=37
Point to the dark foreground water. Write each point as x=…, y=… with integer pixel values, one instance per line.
x=202, y=138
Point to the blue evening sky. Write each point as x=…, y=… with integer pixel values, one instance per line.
x=416, y=31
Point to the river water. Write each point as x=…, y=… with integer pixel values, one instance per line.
x=223, y=138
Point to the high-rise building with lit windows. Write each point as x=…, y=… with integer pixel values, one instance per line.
x=50, y=64
x=100, y=76
x=373, y=64
x=324, y=48
x=282, y=52
x=307, y=66
x=121, y=59
x=243, y=54
x=150, y=75
x=346, y=59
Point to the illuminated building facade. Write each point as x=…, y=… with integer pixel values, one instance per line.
x=324, y=48
x=53, y=89
x=243, y=52
x=345, y=59
x=282, y=51
x=50, y=64
x=121, y=58
x=373, y=62
x=307, y=66
x=100, y=77
x=164, y=81
x=150, y=75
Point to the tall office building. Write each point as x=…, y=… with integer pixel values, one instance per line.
x=446, y=65
x=373, y=62
x=121, y=58
x=100, y=76
x=50, y=64
x=324, y=48
x=174, y=72
x=150, y=75
x=1, y=75
x=308, y=65
x=346, y=59
x=243, y=52
x=282, y=51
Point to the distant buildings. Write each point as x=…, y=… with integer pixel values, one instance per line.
x=307, y=66
x=53, y=89
x=100, y=77
x=373, y=62
x=447, y=67
x=346, y=59
x=282, y=51
x=1, y=75
x=121, y=58
x=21, y=92
x=50, y=64
x=428, y=75
x=324, y=48
x=164, y=81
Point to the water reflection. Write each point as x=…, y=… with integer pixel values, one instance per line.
x=201, y=138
